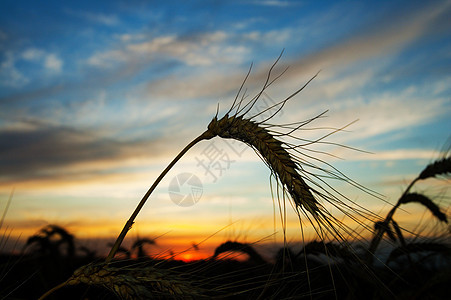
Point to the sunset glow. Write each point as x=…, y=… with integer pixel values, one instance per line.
x=96, y=98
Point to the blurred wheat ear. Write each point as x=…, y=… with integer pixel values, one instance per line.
x=133, y=283
x=440, y=167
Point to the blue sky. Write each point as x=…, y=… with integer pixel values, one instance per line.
x=96, y=98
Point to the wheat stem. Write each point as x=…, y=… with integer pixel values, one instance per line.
x=380, y=231
x=51, y=291
x=7, y=207
x=129, y=224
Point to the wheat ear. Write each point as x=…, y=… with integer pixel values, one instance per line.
x=439, y=167
x=132, y=283
x=436, y=168
x=286, y=167
x=426, y=202
x=230, y=246
x=274, y=155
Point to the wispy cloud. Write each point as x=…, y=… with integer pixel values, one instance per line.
x=389, y=111
x=276, y=3
x=211, y=83
x=10, y=76
x=387, y=37
x=51, y=61
x=39, y=150
x=194, y=50
x=100, y=18
x=381, y=43
x=33, y=54
x=398, y=154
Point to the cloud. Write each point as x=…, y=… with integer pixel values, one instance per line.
x=38, y=150
x=105, y=59
x=99, y=18
x=398, y=154
x=356, y=96
x=350, y=55
x=133, y=55
x=33, y=54
x=271, y=37
x=49, y=61
x=387, y=36
x=9, y=75
x=275, y=3
x=213, y=84
x=208, y=50
x=53, y=63
x=109, y=20
x=392, y=111
x=126, y=37
x=203, y=49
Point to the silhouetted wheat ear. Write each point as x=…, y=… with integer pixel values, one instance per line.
x=299, y=175
x=271, y=150
x=385, y=227
x=230, y=246
x=398, y=232
x=282, y=158
x=439, y=167
x=137, y=283
x=425, y=201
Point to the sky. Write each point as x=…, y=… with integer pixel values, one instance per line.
x=96, y=98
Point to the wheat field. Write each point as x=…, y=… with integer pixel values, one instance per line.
x=333, y=266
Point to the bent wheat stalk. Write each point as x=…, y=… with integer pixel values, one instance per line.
x=286, y=167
